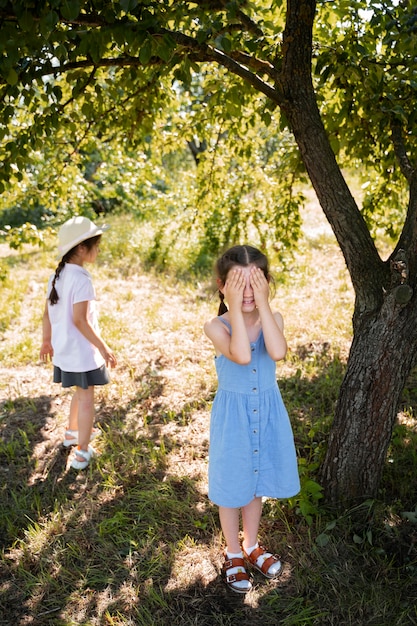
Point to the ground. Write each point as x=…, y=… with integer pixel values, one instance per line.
x=159, y=398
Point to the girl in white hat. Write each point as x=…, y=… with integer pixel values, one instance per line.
x=71, y=336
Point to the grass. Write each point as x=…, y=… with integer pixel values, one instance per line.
x=133, y=540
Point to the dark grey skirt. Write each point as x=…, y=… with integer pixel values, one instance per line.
x=84, y=380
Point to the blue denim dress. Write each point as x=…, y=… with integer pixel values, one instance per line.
x=252, y=450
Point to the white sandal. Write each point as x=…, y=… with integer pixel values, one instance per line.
x=235, y=575
x=71, y=437
x=87, y=455
x=268, y=564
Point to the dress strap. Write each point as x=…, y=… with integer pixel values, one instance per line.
x=229, y=326
x=225, y=322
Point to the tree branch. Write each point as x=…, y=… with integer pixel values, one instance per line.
x=366, y=269
x=408, y=238
x=199, y=53
x=240, y=66
x=8, y=14
x=399, y=149
x=221, y=5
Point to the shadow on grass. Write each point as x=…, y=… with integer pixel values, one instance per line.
x=134, y=540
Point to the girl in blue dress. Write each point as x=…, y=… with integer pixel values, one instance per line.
x=252, y=453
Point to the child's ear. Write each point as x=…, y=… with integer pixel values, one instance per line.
x=220, y=284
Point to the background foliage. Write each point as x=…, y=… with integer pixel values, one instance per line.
x=110, y=107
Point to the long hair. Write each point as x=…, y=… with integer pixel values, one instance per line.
x=239, y=255
x=89, y=244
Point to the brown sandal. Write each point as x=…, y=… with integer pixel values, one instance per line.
x=264, y=568
x=231, y=579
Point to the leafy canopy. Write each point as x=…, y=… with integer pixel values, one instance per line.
x=88, y=88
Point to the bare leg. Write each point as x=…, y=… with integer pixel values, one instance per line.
x=229, y=520
x=251, y=517
x=85, y=400
x=73, y=414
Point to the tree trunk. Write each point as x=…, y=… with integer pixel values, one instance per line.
x=385, y=317
x=380, y=360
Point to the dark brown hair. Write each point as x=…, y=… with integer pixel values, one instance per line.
x=89, y=244
x=243, y=256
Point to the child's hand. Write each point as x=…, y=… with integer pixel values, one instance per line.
x=46, y=352
x=108, y=356
x=234, y=287
x=260, y=286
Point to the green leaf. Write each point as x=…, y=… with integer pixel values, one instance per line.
x=166, y=48
x=145, y=53
x=96, y=48
x=49, y=21
x=226, y=44
x=8, y=112
x=164, y=52
x=128, y=5
x=12, y=77
x=331, y=525
x=87, y=109
x=61, y=52
x=26, y=21
x=322, y=540
x=70, y=9
x=335, y=144
x=411, y=516
x=266, y=118
x=57, y=91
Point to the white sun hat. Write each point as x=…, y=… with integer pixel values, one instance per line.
x=75, y=231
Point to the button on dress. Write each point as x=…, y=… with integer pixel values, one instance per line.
x=252, y=452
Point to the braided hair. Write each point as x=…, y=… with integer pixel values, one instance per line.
x=243, y=256
x=89, y=244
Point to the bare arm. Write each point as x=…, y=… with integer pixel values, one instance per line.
x=234, y=346
x=272, y=323
x=80, y=318
x=46, y=351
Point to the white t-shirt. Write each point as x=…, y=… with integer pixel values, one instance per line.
x=72, y=351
